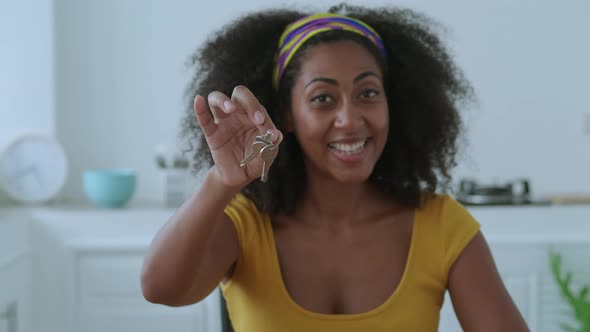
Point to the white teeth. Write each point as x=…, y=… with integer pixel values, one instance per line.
x=349, y=148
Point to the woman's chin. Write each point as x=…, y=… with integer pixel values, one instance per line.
x=352, y=177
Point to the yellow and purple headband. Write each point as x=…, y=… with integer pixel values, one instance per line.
x=298, y=32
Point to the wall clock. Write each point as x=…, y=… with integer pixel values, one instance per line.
x=33, y=168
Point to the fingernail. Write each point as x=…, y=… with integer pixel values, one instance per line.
x=227, y=106
x=258, y=118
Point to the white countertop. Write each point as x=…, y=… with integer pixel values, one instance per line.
x=135, y=227
x=565, y=223
x=132, y=228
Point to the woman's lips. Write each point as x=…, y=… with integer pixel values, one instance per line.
x=349, y=152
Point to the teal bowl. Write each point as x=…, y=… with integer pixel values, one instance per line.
x=109, y=188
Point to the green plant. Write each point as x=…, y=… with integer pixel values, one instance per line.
x=580, y=304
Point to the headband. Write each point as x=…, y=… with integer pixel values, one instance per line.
x=298, y=32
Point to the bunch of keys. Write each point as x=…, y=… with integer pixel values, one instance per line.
x=267, y=151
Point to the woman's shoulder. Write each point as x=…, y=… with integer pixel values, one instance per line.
x=242, y=208
x=244, y=214
x=447, y=225
x=241, y=201
x=447, y=216
x=441, y=204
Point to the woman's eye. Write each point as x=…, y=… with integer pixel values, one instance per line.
x=369, y=93
x=322, y=99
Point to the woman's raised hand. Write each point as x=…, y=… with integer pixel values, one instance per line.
x=231, y=129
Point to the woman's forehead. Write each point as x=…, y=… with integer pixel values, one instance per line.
x=338, y=58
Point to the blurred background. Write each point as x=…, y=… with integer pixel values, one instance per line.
x=107, y=79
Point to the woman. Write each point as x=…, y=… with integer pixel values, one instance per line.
x=347, y=233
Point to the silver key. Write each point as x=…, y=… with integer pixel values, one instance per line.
x=266, y=138
x=257, y=147
x=268, y=155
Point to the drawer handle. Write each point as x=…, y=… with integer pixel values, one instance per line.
x=10, y=316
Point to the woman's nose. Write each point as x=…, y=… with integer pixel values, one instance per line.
x=348, y=116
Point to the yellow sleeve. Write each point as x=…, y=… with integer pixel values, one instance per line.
x=242, y=212
x=458, y=227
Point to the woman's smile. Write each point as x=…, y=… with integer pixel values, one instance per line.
x=349, y=152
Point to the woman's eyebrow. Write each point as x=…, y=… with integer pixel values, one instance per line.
x=334, y=82
x=322, y=79
x=365, y=74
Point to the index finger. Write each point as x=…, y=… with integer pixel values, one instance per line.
x=256, y=112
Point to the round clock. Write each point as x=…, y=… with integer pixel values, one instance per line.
x=33, y=168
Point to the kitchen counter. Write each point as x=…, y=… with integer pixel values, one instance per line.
x=136, y=226
x=90, y=258
x=563, y=223
x=89, y=227
x=87, y=266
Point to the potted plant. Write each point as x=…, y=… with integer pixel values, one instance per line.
x=579, y=303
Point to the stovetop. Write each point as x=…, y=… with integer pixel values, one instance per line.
x=515, y=192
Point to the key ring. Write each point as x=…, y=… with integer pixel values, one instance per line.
x=265, y=149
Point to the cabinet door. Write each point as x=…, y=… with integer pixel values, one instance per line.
x=8, y=316
x=110, y=299
x=15, y=271
x=15, y=303
x=526, y=274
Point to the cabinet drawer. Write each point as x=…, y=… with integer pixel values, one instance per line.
x=109, y=298
x=107, y=275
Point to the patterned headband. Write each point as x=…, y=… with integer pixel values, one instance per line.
x=298, y=32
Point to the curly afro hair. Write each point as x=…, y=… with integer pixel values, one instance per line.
x=420, y=79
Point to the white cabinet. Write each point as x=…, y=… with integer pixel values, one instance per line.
x=86, y=269
x=109, y=297
x=520, y=240
x=15, y=298
x=89, y=264
x=15, y=272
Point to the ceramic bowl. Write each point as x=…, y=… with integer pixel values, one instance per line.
x=109, y=188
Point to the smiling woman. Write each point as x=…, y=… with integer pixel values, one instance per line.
x=339, y=99
x=348, y=233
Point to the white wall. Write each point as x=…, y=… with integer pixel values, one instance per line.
x=121, y=75
x=27, y=97
x=529, y=63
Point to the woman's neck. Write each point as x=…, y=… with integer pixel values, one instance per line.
x=329, y=202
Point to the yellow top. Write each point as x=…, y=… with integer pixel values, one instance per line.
x=258, y=301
